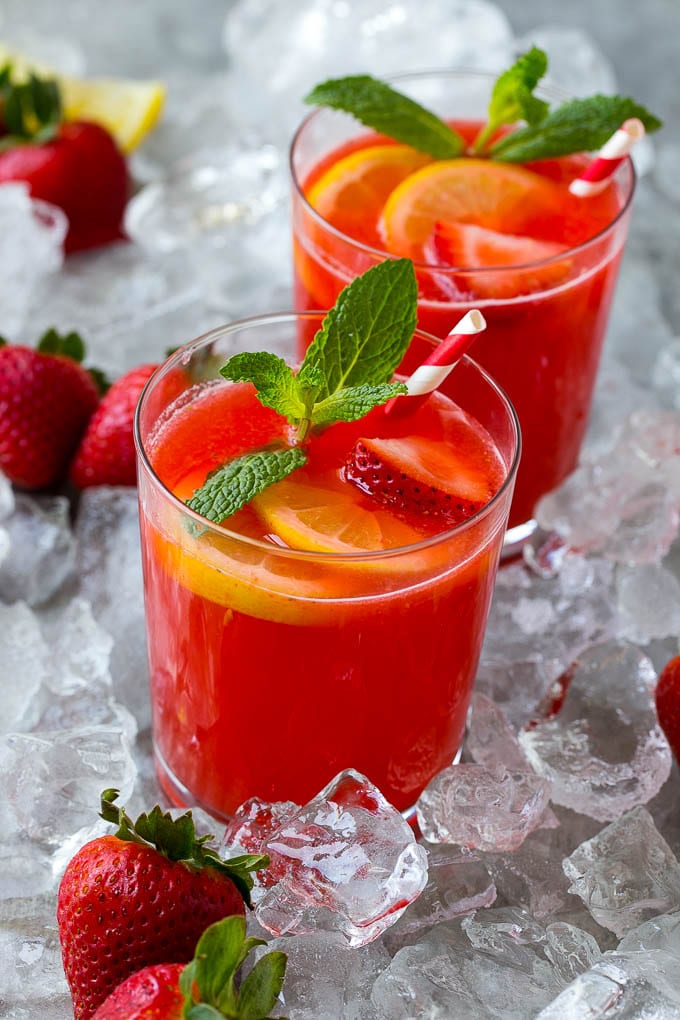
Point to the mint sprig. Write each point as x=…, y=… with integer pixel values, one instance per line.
x=346, y=372
x=580, y=125
x=513, y=98
x=365, y=335
x=210, y=984
x=382, y=108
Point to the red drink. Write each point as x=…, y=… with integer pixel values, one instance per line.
x=273, y=668
x=545, y=295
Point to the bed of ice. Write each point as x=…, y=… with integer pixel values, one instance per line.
x=553, y=886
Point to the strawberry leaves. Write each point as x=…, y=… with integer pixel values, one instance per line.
x=345, y=374
x=210, y=982
x=31, y=111
x=176, y=839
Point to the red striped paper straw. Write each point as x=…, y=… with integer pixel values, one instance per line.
x=437, y=365
x=597, y=174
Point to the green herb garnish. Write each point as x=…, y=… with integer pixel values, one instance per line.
x=210, y=983
x=380, y=107
x=579, y=125
x=347, y=371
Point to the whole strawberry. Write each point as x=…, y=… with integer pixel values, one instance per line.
x=75, y=165
x=668, y=704
x=106, y=455
x=46, y=401
x=140, y=897
x=171, y=991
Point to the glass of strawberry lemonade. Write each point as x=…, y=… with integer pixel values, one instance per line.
x=507, y=238
x=335, y=620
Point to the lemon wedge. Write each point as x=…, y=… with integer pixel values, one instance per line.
x=127, y=109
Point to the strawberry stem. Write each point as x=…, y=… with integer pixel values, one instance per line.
x=176, y=839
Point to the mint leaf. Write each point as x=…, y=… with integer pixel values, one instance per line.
x=355, y=402
x=364, y=337
x=273, y=379
x=235, y=484
x=512, y=98
x=579, y=125
x=380, y=107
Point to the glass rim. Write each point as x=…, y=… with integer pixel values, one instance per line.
x=432, y=267
x=176, y=359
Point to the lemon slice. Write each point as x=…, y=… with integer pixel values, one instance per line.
x=352, y=192
x=317, y=519
x=495, y=196
x=127, y=109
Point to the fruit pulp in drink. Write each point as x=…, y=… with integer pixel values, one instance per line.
x=540, y=263
x=325, y=629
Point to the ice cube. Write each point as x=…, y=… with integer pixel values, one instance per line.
x=80, y=651
x=603, y=752
x=649, y=600
x=576, y=63
x=110, y=576
x=667, y=171
x=490, y=738
x=531, y=877
x=32, y=968
x=31, y=250
x=52, y=781
x=325, y=978
x=249, y=829
x=216, y=201
x=324, y=40
x=348, y=863
x=458, y=884
x=111, y=290
x=625, y=874
x=640, y=979
x=489, y=966
x=483, y=808
x=41, y=549
x=570, y=949
x=517, y=669
x=24, y=657
x=6, y=497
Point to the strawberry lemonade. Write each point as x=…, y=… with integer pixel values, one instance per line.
x=335, y=620
x=506, y=237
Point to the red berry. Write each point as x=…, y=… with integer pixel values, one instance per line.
x=106, y=455
x=123, y=906
x=417, y=475
x=46, y=401
x=668, y=704
x=81, y=171
x=151, y=994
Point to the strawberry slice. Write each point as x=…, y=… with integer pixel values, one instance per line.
x=463, y=245
x=418, y=475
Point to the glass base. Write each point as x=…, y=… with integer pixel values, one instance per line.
x=181, y=797
x=515, y=539
x=177, y=792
